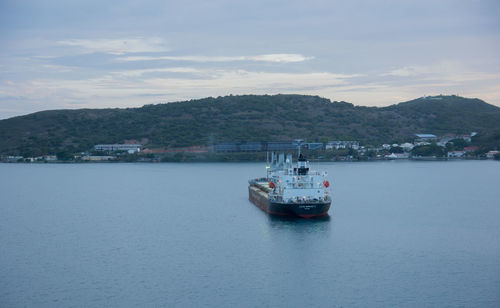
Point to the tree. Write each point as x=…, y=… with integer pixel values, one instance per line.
x=428, y=150
x=396, y=150
x=457, y=144
x=64, y=155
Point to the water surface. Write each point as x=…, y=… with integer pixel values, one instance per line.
x=405, y=234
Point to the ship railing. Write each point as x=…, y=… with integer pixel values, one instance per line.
x=298, y=200
x=314, y=172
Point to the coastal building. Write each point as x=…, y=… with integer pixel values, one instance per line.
x=397, y=156
x=255, y=146
x=251, y=147
x=227, y=147
x=50, y=157
x=281, y=146
x=331, y=145
x=443, y=140
x=456, y=154
x=12, y=159
x=471, y=149
x=491, y=154
x=425, y=138
x=98, y=158
x=130, y=148
x=314, y=145
x=407, y=147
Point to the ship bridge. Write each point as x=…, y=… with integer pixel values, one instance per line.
x=296, y=183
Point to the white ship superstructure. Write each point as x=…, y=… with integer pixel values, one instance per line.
x=296, y=183
x=291, y=188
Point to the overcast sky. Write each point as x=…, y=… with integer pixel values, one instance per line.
x=97, y=54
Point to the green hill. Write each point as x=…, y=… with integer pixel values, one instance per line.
x=244, y=118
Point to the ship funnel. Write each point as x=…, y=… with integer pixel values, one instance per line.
x=289, y=160
x=281, y=160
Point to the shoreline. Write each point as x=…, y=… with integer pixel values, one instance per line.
x=153, y=161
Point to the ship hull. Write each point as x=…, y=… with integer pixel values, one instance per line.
x=305, y=210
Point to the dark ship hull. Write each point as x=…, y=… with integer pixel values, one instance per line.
x=306, y=210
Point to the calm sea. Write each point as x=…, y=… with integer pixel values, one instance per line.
x=400, y=234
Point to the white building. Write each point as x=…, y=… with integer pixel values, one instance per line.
x=456, y=154
x=397, y=156
x=98, y=158
x=425, y=137
x=130, y=148
x=342, y=145
x=407, y=147
x=491, y=154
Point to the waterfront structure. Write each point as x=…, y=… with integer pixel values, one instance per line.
x=281, y=146
x=227, y=147
x=251, y=147
x=97, y=158
x=397, y=156
x=314, y=145
x=255, y=146
x=130, y=148
x=342, y=145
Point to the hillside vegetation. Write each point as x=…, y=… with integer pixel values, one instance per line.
x=245, y=118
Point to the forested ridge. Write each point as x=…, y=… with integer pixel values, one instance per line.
x=242, y=118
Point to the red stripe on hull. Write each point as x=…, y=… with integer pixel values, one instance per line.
x=314, y=215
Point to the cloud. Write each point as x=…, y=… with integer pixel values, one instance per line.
x=135, y=87
x=445, y=72
x=409, y=71
x=280, y=58
x=276, y=58
x=247, y=81
x=118, y=90
x=117, y=46
x=137, y=73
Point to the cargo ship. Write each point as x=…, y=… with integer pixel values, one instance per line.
x=291, y=189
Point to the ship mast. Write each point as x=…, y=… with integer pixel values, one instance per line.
x=299, y=144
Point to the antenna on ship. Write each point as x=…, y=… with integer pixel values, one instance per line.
x=299, y=144
x=267, y=164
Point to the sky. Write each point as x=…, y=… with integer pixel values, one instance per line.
x=109, y=54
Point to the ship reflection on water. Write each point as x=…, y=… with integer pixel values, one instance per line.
x=300, y=225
